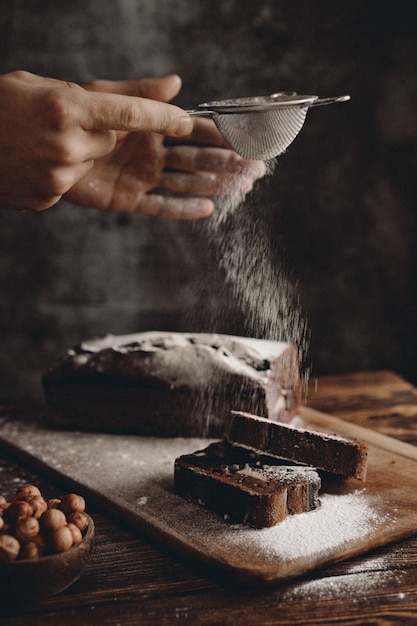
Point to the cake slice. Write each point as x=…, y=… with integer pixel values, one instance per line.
x=171, y=384
x=337, y=455
x=243, y=487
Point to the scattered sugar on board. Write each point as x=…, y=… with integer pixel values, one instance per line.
x=361, y=585
x=343, y=522
x=358, y=582
x=340, y=520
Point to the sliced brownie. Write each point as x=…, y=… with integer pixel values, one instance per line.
x=331, y=453
x=242, y=487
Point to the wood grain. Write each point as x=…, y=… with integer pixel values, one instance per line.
x=130, y=581
x=132, y=477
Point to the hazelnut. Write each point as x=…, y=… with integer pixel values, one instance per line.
x=72, y=502
x=31, y=550
x=40, y=542
x=9, y=548
x=52, y=519
x=31, y=527
x=78, y=519
x=38, y=505
x=53, y=503
x=18, y=508
x=60, y=539
x=7, y=527
x=76, y=533
x=26, y=528
x=26, y=492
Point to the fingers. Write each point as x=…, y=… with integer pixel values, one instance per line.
x=190, y=158
x=174, y=207
x=211, y=171
x=54, y=185
x=107, y=111
x=204, y=133
x=203, y=164
x=85, y=146
x=125, y=106
x=116, y=109
x=34, y=79
x=195, y=158
x=163, y=89
x=195, y=184
x=204, y=184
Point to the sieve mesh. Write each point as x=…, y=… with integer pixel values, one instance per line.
x=261, y=134
x=261, y=127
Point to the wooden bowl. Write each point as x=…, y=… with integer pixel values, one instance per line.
x=34, y=579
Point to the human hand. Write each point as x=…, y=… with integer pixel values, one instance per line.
x=175, y=178
x=52, y=132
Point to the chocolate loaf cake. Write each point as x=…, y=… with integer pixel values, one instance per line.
x=171, y=384
x=330, y=453
x=243, y=487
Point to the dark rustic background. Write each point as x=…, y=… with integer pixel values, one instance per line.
x=339, y=210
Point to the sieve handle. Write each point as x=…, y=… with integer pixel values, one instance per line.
x=275, y=101
x=200, y=112
x=322, y=101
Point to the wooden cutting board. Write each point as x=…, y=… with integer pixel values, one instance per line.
x=132, y=478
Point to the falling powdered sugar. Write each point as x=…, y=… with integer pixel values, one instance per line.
x=250, y=256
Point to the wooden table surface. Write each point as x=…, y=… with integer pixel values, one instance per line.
x=131, y=582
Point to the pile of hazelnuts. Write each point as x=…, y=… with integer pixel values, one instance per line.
x=31, y=527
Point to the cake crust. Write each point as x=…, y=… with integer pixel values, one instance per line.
x=171, y=384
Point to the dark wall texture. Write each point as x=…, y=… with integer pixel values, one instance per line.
x=338, y=212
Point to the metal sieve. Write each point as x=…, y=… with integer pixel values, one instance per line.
x=261, y=127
